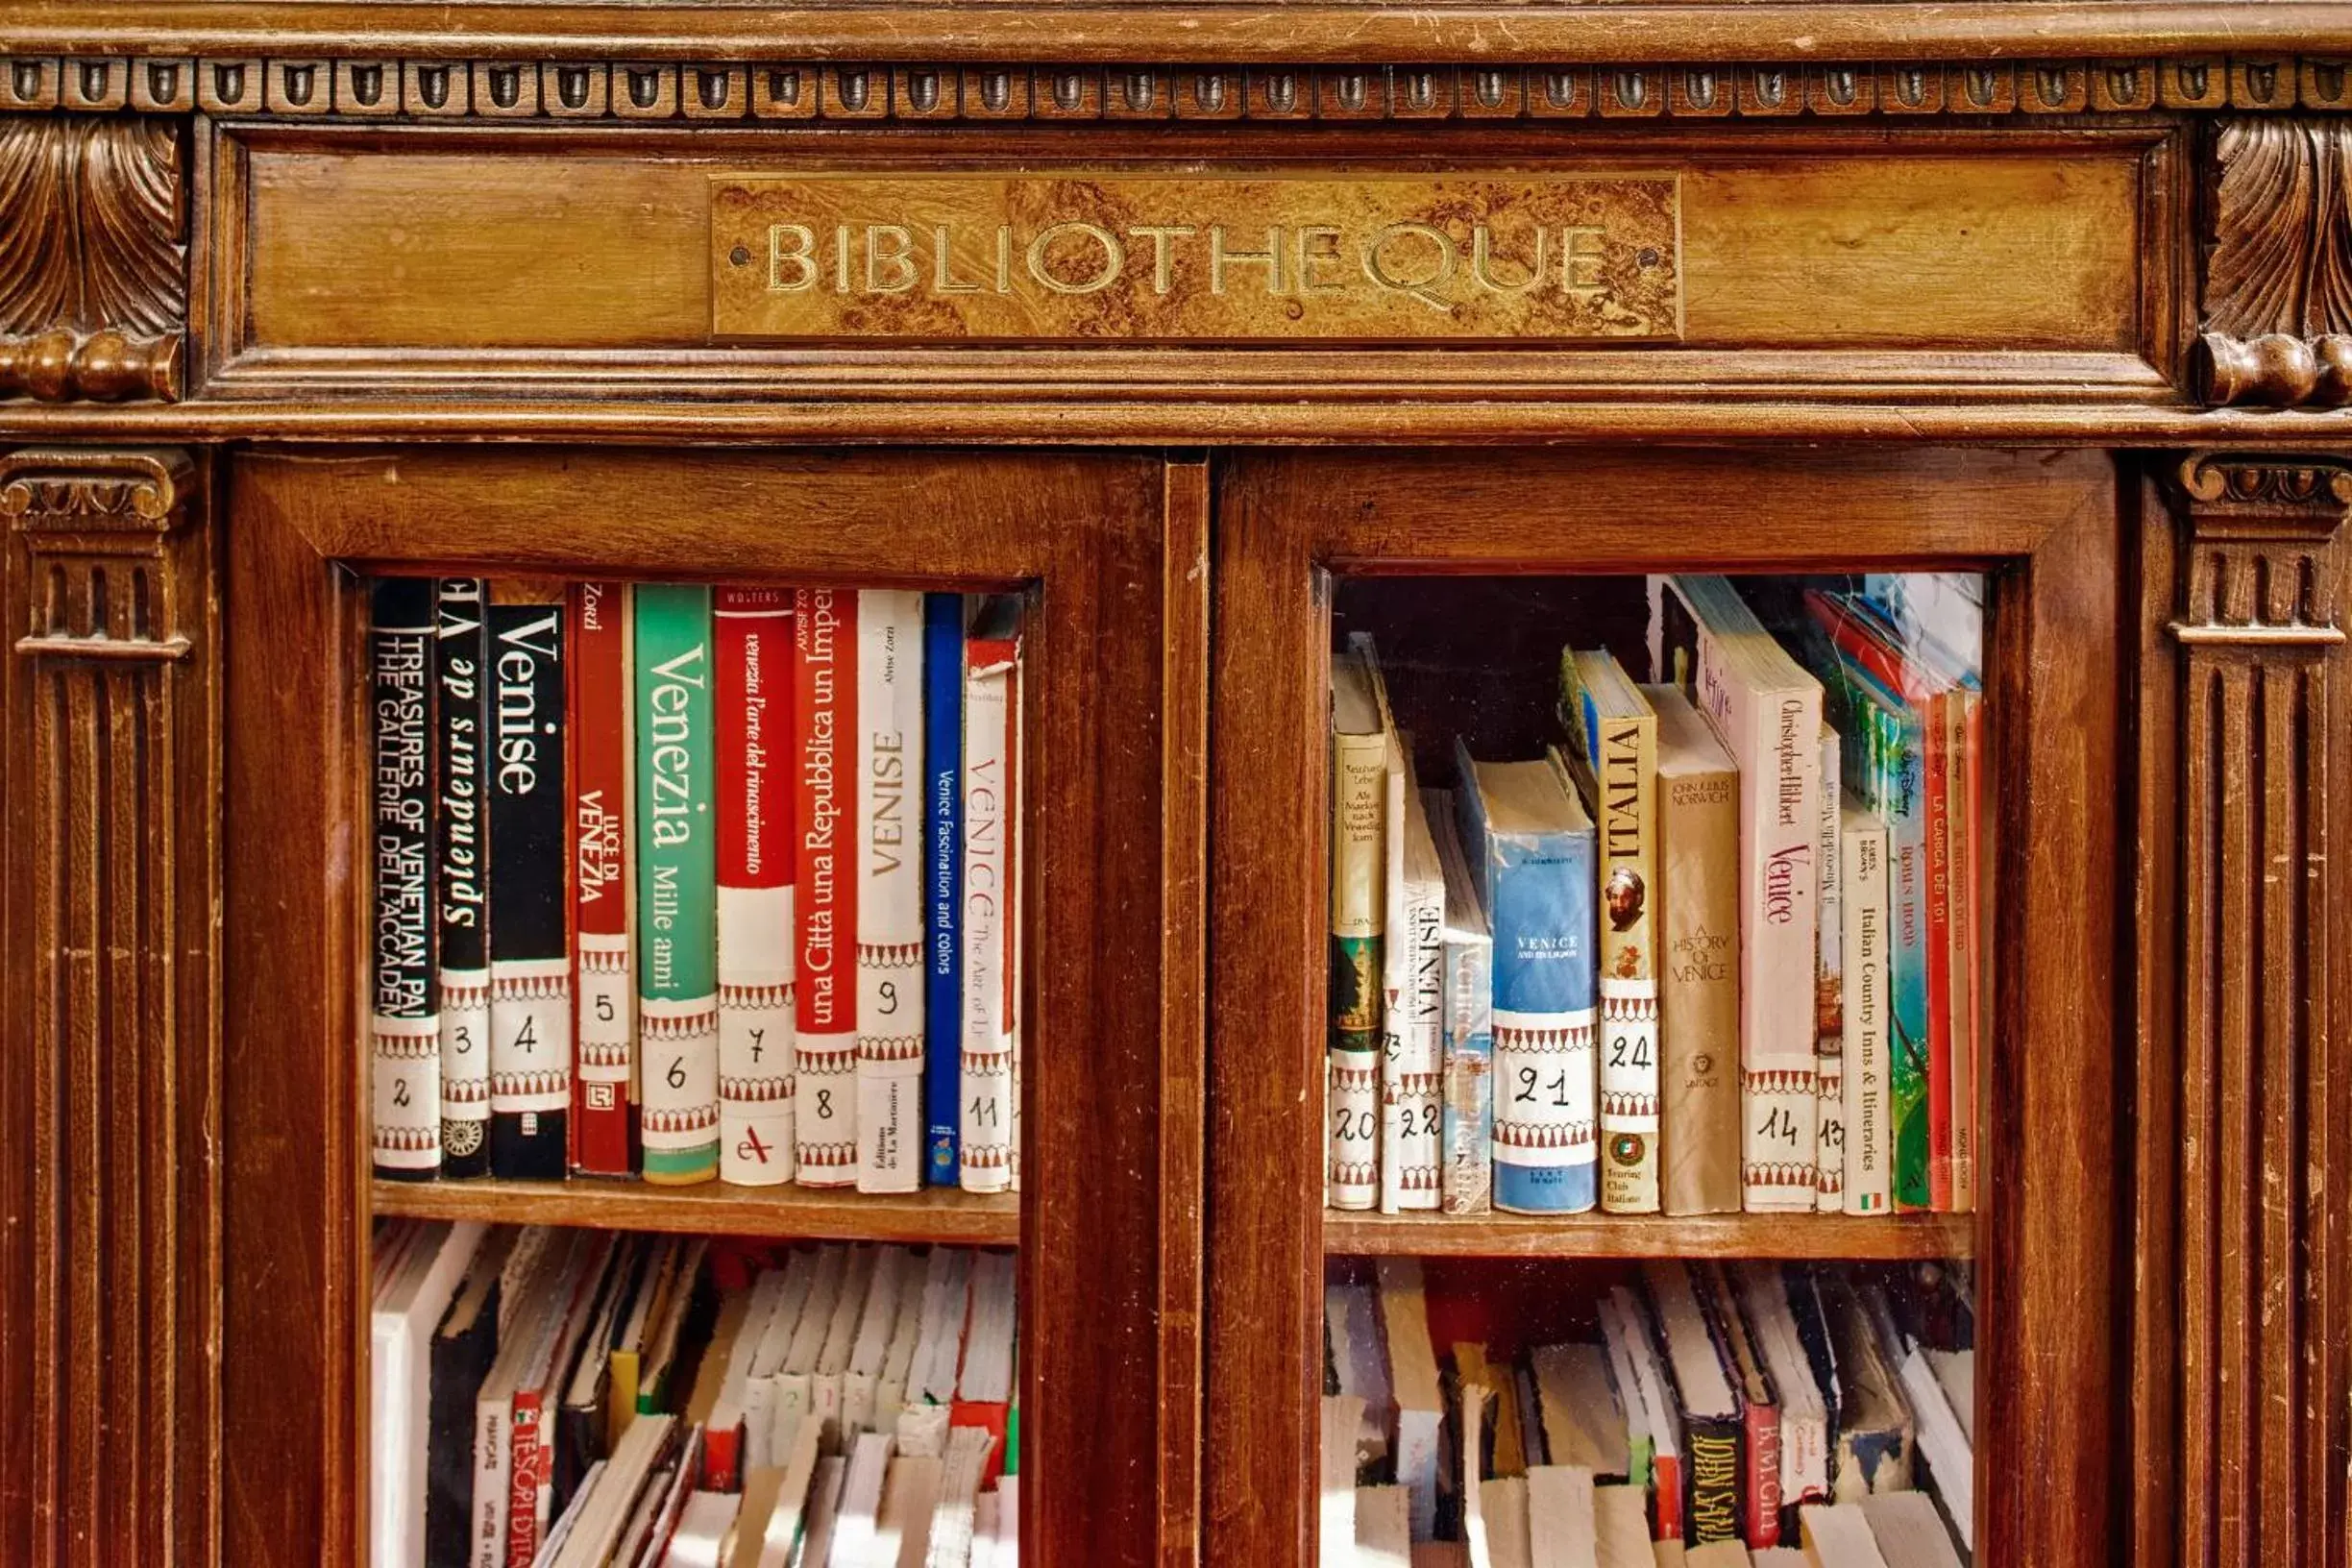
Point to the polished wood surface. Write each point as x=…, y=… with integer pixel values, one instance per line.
x=1650, y=1235
x=110, y=1255
x=428, y=287
x=1084, y=533
x=715, y=1209
x=2049, y=521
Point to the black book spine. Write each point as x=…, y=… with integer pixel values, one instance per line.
x=1711, y=1493
x=461, y=860
x=530, y=962
x=460, y=1362
x=404, y=1029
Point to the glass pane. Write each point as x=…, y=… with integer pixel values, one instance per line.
x=693, y=1070
x=1658, y=986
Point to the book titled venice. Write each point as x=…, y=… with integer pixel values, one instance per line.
x=751, y=640
x=461, y=860
x=531, y=960
x=1530, y=845
x=992, y=883
x=677, y=885
x=825, y=819
x=405, y=1025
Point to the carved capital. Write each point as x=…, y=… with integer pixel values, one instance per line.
x=103, y=579
x=2243, y=1099
x=93, y=263
x=2261, y=535
x=109, y=1067
x=2278, y=277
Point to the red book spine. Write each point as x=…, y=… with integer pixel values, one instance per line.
x=1667, y=1491
x=990, y=1419
x=607, y=993
x=532, y=1460
x=1760, y=1484
x=825, y=819
x=1967, y=948
x=722, y=1458
x=1936, y=806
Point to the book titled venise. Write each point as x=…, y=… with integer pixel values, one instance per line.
x=1530, y=845
x=405, y=1025
x=751, y=635
x=678, y=885
x=889, y=911
x=530, y=960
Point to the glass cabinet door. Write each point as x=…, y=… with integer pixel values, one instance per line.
x=710, y=884
x=1681, y=888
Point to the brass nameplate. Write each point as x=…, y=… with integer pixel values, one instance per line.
x=1539, y=257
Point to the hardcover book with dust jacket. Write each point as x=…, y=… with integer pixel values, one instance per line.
x=752, y=642
x=403, y=1023
x=531, y=959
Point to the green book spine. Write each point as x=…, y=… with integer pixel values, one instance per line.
x=677, y=896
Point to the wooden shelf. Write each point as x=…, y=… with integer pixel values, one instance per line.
x=1650, y=1235
x=715, y=1209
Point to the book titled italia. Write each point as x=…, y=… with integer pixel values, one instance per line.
x=752, y=629
x=461, y=860
x=404, y=1027
x=1530, y=845
x=676, y=886
x=531, y=962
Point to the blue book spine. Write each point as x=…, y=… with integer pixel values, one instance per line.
x=942, y=883
x=1539, y=899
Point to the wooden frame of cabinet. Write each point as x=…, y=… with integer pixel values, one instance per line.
x=1107, y=1358
x=2168, y=1267
x=2050, y=525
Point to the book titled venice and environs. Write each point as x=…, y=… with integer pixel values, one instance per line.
x=687, y=884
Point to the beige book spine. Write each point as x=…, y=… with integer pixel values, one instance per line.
x=1359, y=792
x=1698, y=1001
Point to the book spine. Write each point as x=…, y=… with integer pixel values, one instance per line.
x=1899, y=802
x=1711, y=1496
x=751, y=650
x=1937, y=781
x=461, y=856
x=1774, y=739
x=523, y=1486
x=1468, y=1119
x=677, y=980
x=530, y=962
x=1359, y=828
x=1412, y=1067
x=1967, y=946
x=824, y=712
x=1698, y=994
x=1829, y=993
x=1624, y=814
x=990, y=691
x=889, y=910
x=605, y=1007
x=1760, y=1471
x=404, y=1023
x=942, y=883
x=1869, y=1134
x=493, y=1466
x=1546, y=1123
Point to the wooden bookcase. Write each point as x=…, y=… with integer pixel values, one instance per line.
x=290, y=292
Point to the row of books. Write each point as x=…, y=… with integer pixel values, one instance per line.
x=575, y=1398
x=1720, y=948
x=695, y=883
x=1704, y=1405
